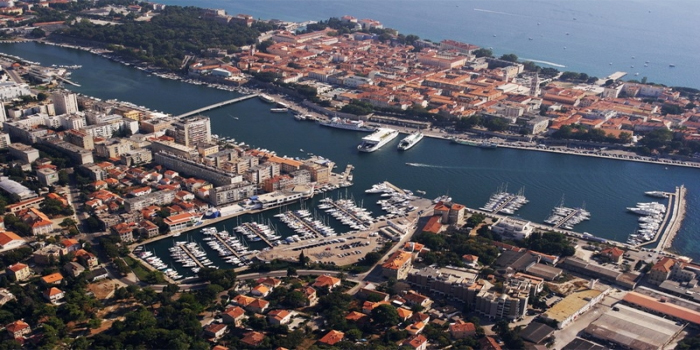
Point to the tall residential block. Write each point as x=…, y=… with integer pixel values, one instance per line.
x=191, y=131
x=65, y=103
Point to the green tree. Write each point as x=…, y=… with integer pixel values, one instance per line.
x=510, y=57
x=302, y=259
x=291, y=272
x=385, y=315
x=483, y=52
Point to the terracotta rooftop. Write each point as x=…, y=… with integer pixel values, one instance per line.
x=52, y=278
x=663, y=307
x=332, y=337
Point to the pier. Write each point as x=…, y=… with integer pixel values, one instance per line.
x=230, y=249
x=352, y=216
x=257, y=232
x=672, y=220
x=66, y=81
x=189, y=253
x=566, y=218
x=216, y=105
x=306, y=225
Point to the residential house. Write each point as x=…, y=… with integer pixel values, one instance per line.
x=70, y=245
x=260, y=291
x=86, y=258
x=397, y=265
x=243, y=300
x=253, y=338
x=270, y=282
x=413, y=298
x=404, y=314
x=38, y=221
x=215, y=330
x=331, y=338
x=10, y=240
x=418, y=342
x=415, y=328
x=326, y=281
x=258, y=306
x=19, y=271
x=311, y=296
x=52, y=279
x=233, y=315
x=461, y=330
x=279, y=317
x=660, y=271
x=613, y=255
x=357, y=317
x=5, y=296
x=74, y=269
x=18, y=329
x=53, y=295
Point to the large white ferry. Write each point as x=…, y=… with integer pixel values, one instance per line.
x=347, y=124
x=410, y=141
x=377, y=139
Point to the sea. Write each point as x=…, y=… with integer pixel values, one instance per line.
x=468, y=174
x=597, y=37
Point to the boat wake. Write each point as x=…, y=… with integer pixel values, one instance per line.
x=544, y=62
x=421, y=165
x=498, y=12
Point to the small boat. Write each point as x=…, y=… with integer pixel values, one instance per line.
x=671, y=65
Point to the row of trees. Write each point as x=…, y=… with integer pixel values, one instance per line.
x=579, y=132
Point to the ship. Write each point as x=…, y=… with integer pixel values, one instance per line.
x=347, y=124
x=266, y=98
x=658, y=194
x=488, y=145
x=464, y=142
x=279, y=110
x=377, y=139
x=410, y=141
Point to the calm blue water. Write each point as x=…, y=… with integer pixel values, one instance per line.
x=603, y=31
x=468, y=174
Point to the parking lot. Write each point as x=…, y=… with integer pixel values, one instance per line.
x=341, y=250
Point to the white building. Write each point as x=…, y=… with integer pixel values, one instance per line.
x=4, y=140
x=512, y=228
x=10, y=90
x=73, y=121
x=65, y=103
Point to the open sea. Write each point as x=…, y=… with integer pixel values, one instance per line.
x=597, y=37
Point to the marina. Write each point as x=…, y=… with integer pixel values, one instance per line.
x=505, y=203
x=257, y=232
x=566, y=218
x=347, y=212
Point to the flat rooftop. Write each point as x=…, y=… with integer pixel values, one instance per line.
x=571, y=304
x=633, y=329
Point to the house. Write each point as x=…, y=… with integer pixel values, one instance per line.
x=97, y=274
x=19, y=271
x=18, y=329
x=415, y=328
x=54, y=278
x=270, y=282
x=368, y=306
x=397, y=265
x=613, y=255
x=258, y=306
x=5, y=296
x=356, y=317
x=279, y=317
x=661, y=271
x=311, y=296
x=419, y=342
x=243, y=300
x=70, y=245
x=260, y=291
x=489, y=343
x=461, y=330
x=413, y=298
x=233, y=315
x=404, y=314
x=332, y=337
x=326, y=281
x=86, y=258
x=253, y=338
x=48, y=254
x=73, y=268
x=53, y=295
x=10, y=240
x=215, y=330
x=470, y=260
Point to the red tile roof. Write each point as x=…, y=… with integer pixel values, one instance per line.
x=655, y=305
x=332, y=337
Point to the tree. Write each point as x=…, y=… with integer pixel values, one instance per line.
x=372, y=258
x=510, y=57
x=63, y=177
x=302, y=259
x=291, y=272
x=67, y=223
x=385, y=315
x=483, y=52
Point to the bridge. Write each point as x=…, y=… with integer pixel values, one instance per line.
x=216, y=105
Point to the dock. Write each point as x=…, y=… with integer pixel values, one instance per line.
x=223, y=242
x=672, y=220
x=566, y=218
x=352, y=216
x=390, y=185
x=306, y=225
x=189, y=253
x=217, y=105
x=257, y=232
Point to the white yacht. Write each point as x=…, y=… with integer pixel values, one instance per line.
x=266, y=98
x=377, y=139
x=347, y=124
x=410, y=141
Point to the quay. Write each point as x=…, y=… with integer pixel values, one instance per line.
x=306, y=225
x=677, y=212
x=217, y=105
x=66, y=81
x=223, y=242
x=189, y=253
x=257, y=232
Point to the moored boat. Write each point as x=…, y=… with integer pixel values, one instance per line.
x=266, y=98
x=347, y=124
x=377, y=139
x=410, y=141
